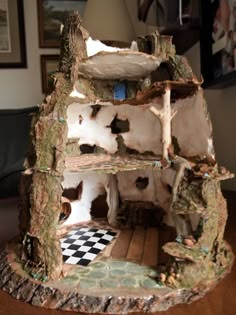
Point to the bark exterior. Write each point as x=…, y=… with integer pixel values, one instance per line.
x=154, y=44
x=162, y=47
x=89, y=301
x=208, y=257
x=41, y=185
x=73, y=47
x=181, y=224
x=180, y=69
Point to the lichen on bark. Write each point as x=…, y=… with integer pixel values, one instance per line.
x=159, y=46
x=205, y=259
x=180, y=69
x=41, y=191
x=44, y=199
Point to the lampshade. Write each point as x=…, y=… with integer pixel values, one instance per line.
x=108, y=20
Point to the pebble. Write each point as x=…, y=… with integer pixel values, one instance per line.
x=188, y=242
x=162, y=277
x=222, y=170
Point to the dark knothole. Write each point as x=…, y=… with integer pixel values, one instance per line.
x=80, y=119
x=142, y=182
x=119, y=126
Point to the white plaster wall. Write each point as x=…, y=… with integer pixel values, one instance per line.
x=144, y=128
x=20, y=88
x=222, y=107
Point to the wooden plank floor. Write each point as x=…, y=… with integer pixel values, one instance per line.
x=150, y=249
x=142, y=245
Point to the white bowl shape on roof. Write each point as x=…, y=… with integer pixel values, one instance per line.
x=123, y=65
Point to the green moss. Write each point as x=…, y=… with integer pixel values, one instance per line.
x=50, y=132
x=159, y=46
x=189, y=198
x=180, y=68
x=181, y=251
x=72, y=147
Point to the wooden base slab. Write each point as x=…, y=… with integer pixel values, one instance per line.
x=124, y=287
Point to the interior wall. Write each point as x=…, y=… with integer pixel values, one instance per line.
x=21, y=88
x=222, y=108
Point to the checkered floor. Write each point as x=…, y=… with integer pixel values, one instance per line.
x=82, y=245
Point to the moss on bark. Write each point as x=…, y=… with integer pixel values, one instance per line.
x=41, y=191
x=205, y=259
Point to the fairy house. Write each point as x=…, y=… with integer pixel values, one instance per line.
x=130, y=128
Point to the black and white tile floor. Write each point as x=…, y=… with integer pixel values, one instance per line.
x=81, y=245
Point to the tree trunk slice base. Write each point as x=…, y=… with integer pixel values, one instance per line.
x=106, y=286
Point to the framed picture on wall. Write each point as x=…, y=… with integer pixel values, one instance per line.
x=51, y=15
x=12, y=34
x=218, y=43
x=49, y=65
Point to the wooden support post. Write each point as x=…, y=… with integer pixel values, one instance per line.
x=166, y=125
x=112, y=200
x=165, y=116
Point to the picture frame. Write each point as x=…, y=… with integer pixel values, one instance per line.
x=51, y=15
x=49, y=65
x=12, y=34
x=218, y=43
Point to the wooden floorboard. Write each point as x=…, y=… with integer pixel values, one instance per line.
x=121, y=246
x=135, y=251
x=142, y=245
x=150, y=248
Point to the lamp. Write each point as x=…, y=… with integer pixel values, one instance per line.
x=109, y=21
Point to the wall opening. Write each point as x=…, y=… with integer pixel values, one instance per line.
x=142, y=182
x=119, y=126
x=95, y=109
x=99, y=207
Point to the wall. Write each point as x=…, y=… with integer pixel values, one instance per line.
x=139, y=27
x=21, y=88
x=222, y=108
